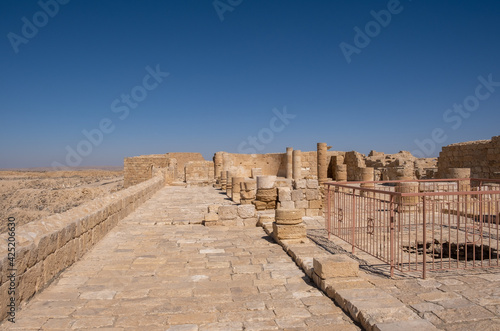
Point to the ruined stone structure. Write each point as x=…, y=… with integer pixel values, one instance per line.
x=402, y=165
x=280, y=192
x=482, y=157
x=140, y=168
x=322, y=165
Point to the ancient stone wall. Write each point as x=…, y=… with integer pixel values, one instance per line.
x=304, y=195
x=271, y=164
x=355, y=162
x=199, y=172
x=309, y=164
x=481, y=156
x=241, y=165
x=402, y=165
x=46, y=247
x=140, y=168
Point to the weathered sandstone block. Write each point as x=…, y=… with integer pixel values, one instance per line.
x=338, y=265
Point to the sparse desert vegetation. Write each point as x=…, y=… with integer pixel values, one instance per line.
x=31, y=195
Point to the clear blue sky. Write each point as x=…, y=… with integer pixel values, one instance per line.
x=71, y=67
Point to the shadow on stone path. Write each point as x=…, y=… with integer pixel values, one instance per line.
x=148, y=274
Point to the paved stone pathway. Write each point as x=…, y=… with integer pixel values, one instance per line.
x=146, y=274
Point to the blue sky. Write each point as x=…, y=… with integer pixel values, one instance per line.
x=243, y=76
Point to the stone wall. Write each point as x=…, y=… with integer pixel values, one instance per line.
x=354, y=161
x=140, y=168
x=240, y=165
x=304, y=195
x=481, y=156
x=46, y=247
x=273, y=164
x=199, y=172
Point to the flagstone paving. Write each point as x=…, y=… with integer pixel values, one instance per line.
x=149, y=274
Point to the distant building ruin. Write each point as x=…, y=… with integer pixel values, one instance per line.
x=481, y=157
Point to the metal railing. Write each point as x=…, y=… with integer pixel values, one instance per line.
x=419, y=225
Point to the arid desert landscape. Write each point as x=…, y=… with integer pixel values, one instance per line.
x=31, y=195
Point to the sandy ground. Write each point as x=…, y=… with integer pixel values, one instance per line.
x=31, y=195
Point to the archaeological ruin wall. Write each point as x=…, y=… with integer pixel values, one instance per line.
x=140, y=168
x=482, y=157
x=241, y=165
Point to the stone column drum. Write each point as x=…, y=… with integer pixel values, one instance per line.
x=267, y=194
x=247, y=191
x=322, y=162
x=288, y=224
x=367, y=175
x=229, y=183
x=235, y=193
x=297, y=164
x=410, y=203
x=223, y=180
x=341, y=173
x=218, y=161
x=289, y=162
x=456, y=173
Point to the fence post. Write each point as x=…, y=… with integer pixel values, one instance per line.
x=328, y=211
x=424, y=234
x=353, y=216
x=391, y=229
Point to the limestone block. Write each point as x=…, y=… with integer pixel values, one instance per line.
x=314, y=212
x=249, y=186
x=459, y=173
x=297, y=231
x=271, y=205
x=246, y=211
x=29, y=282
x=302, y=204
x=228, y=212
x=259, y=205
x=247, y=195
x=211, y=217
x=338, y=265
x=287, y=204
x=315, y=204
x=267, y=195
x=312, y=183
x=312, y=194
x=297, y=195
x=284, y=194
x=283, y=182
x=265, y=182
x=299, y=184
x=262, y=219
x=250, y=222
x=213, y=209
x=256, y=172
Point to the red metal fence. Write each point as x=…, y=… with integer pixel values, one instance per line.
x=419, y=225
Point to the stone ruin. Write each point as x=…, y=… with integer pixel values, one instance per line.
x=482, y=157
x=293, y=180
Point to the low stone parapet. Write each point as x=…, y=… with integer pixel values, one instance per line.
x=44, y=248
